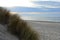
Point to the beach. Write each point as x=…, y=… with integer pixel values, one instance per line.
x=46, y=30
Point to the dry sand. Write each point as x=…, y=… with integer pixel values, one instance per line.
x=47, y=30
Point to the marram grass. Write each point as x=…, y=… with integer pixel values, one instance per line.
x=16, y=26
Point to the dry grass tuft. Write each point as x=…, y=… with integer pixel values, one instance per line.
x=4, y=15
x=17, y=26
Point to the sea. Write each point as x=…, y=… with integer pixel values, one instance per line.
x=40, y=16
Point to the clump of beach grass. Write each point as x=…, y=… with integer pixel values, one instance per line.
x=16, y=26
x=4, y=15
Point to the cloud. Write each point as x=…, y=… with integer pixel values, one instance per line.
x=30, y=3
x=11, y=3
x=47, y=0
x=47, y=4
x=29, y=9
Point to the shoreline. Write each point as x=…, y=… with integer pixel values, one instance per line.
x=43, y=21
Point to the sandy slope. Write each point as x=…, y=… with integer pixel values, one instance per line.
x=4, y=35
x=48, y=30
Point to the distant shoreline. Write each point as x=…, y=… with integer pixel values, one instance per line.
x=43, y=21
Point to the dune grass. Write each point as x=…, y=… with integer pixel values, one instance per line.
x=4, y=15
x=17, y=26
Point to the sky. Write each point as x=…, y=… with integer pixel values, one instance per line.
x=51, y=6
x=11, y=3
x=24, y=3
x=46, y=0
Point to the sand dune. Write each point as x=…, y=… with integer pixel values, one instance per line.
x=4, y=35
